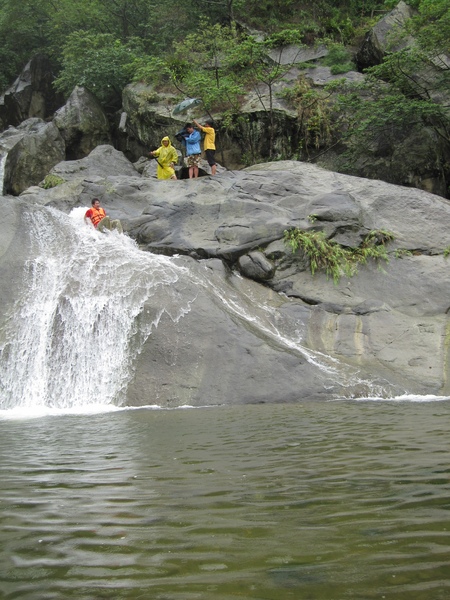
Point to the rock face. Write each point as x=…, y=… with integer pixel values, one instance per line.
x=28, y=153
x=390, y=320
x=31, y=95
x=388, y=35
x=82, y=123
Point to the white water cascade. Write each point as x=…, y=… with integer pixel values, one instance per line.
x=90, y=301
x=76, y=330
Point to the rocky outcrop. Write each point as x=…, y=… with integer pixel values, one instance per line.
x=388, y=35
x=31, y=95
x=146, y=119
x=13, y=254
x=82, y=123
x=28, y=153
x=416, y=157
x=390, y=320
x=84, y=179
x=148, y=116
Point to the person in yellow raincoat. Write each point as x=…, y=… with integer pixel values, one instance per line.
x=166, y=157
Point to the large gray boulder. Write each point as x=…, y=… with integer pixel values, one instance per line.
x=28, y=152
x=388, y=35
x=146, y=119
x=31, y=95
x=226, y=350
x=96, y=175
x=390, y=320
x=82, y=123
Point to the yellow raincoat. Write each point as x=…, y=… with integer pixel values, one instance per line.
x=165, y=155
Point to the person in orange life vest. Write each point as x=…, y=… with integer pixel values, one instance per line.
x=209, y=143
x=99, y=219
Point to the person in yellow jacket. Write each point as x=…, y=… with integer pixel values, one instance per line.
x=209, y=143
x=166, y=157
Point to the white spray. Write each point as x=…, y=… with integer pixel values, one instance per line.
x=80, y=321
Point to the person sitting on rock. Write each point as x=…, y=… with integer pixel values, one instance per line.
x=99, y=219
x=167, y=157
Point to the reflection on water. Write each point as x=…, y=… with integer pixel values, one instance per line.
x=317, y=501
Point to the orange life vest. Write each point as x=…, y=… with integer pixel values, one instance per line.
x=95, y=215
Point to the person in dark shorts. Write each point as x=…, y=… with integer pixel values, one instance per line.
x=209, y=143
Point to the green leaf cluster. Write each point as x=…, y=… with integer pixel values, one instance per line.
x=327, y=255
x=339, y=59
x=100, y=63
x=51, y=181
x=316, y=118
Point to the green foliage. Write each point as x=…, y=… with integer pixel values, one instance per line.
x=432, y=26
x=401, y=252
x=225, y=64
x=373, y=247
x=51, y=181
x=340, y=26
x=67, y=16
x=447, y=252
x=250, y=65
x=315, y=114
x=104, y=44
x=410, y=71
x=22, y=27
x=337, y=18
x=98, y=62
x=151, y=70
x=33, y=26
x=284, y=37
x=323, y=254
x=248, y=59
x=401, y=95
x=329, y=256
x=199, y=67
x=339, y=59
x=265, y=14
x=374, y=117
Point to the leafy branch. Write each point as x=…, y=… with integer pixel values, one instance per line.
x=336, y=260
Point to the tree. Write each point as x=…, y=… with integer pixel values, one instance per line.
x=98, y=62
x=432, y=26
x=207, y=74
x=405, y=97
x=260, y=65
x=22, y=31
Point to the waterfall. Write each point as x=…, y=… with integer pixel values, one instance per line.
x=89, y=302
x=82, y=316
